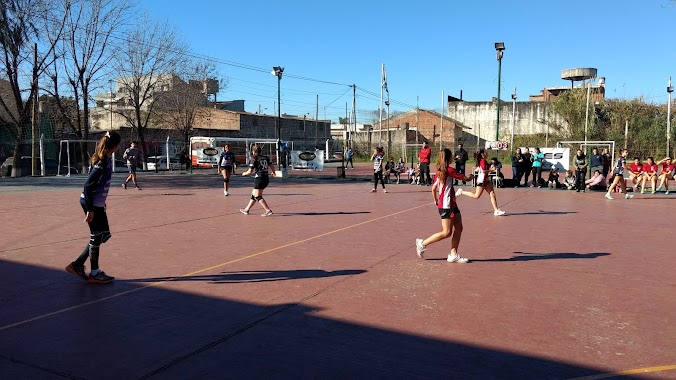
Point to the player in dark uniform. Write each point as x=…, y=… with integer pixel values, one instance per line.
x=93, y=202
x=259, y=166
x=226, y=162
x=618, y=175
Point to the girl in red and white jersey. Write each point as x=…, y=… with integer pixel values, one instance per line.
x=635, y=173
x=482, y=183
x=667, y=173
x=444, y=198
x=649, y=174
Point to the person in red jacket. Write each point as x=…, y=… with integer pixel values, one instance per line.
x=425, y=155
x=635, y=173
x=649, y=174
x=667, y=173
x=444, y=198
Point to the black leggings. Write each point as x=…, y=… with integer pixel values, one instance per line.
x=580, y=178
x=425, y=177
x=537, y=175
x=378, y=176
x=99, y=233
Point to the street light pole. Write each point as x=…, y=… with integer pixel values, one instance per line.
x=511, y=142
x=499, y=47
x=670, y=89
x=277, y=71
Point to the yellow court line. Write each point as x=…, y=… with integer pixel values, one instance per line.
x=61, y=311
x=634, y=371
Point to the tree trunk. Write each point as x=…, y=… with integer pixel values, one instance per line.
x=16, y=162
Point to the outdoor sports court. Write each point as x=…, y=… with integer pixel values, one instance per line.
x=566, y=285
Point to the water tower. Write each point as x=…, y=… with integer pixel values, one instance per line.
x=577, y=75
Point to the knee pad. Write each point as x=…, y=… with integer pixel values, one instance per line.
x=259, y=198
x=95, y=239
x=226, y=180
x=253, y=198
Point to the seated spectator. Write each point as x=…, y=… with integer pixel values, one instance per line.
x=635, y=173
x=553, y=180
x=414, y=174
x=596, y=182
x=569, y=180
x=391, y=169
x=496, y=170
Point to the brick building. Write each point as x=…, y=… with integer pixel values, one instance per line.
x=429, y=127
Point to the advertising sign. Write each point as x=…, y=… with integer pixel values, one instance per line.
x=558, y=157
x=307, y=160
x=496, y=145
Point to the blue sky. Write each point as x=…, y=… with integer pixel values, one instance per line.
x=427, y=47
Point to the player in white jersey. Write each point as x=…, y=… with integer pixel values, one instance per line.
x=226, y=162
x=377, y=158
x=445, y=199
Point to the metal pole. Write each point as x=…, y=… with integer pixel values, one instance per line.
x=511, y=141
x=380, y=118
x=626, y=133
x=111, y=104
x=279, y=117
x=317, y=125
x=670, y=89
x=586, y=117
x=441, y=128
x=497, y=124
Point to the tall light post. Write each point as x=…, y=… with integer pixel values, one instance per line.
x=499, y=47
x=277, y=71
x=670, y=89
x=511, y=142
x=111, y=104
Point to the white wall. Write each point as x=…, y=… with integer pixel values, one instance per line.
x=530, y=117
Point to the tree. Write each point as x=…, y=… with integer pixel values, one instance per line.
x=147, y=66
x=24, y=23
x=84, y=52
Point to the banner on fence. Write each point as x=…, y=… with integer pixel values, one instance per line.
x=307, y=160
x=558, y=157
x=496, y=145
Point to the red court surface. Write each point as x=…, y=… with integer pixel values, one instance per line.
x=566, y=285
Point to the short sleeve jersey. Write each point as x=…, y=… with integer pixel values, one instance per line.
x=377, y=162
x=647, y=168
x=445, y=190
x=260, y=166
x=619, y=167
x=537, y=159
x=227, y=158
x=635, y=168
x=668, y=168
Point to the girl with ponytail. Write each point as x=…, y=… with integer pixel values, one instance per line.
x=93, y=202
x=444, y=198
x=483, y=182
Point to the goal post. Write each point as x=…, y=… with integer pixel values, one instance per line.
x=583, y=144
x=410, y=151
x=69, y=158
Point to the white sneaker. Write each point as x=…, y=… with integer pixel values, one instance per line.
x=373, y=190
x=457, y=259
x=384, y=191
x=458, y=193
x=267, y=213
x=666, y=192
x=419, y=248
x=609, y=197
x=243, y=211
x=627, y=196
x=499, y=213
x=225, y=193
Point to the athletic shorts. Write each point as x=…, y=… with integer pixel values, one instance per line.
x=227, y=167
x=261, y=183
x=99, y=224
x=447, y=213
x=132, y=168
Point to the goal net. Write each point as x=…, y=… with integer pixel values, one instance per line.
x=587, y=148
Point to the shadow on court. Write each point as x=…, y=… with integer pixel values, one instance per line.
x=548, y=256
x=541, y=212
x=124, y=331
x=256, y=276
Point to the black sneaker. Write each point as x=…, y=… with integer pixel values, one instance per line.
x=101, y=278
x=77, y=270
x=124, y=186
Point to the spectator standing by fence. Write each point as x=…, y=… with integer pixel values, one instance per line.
x=425, y=155
x=348, y=157
x=580, y=170
x=517, y=160
x=596, y=161
x=606, y=162
x=537, y=159
x=461, y=158
x=526, y=165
